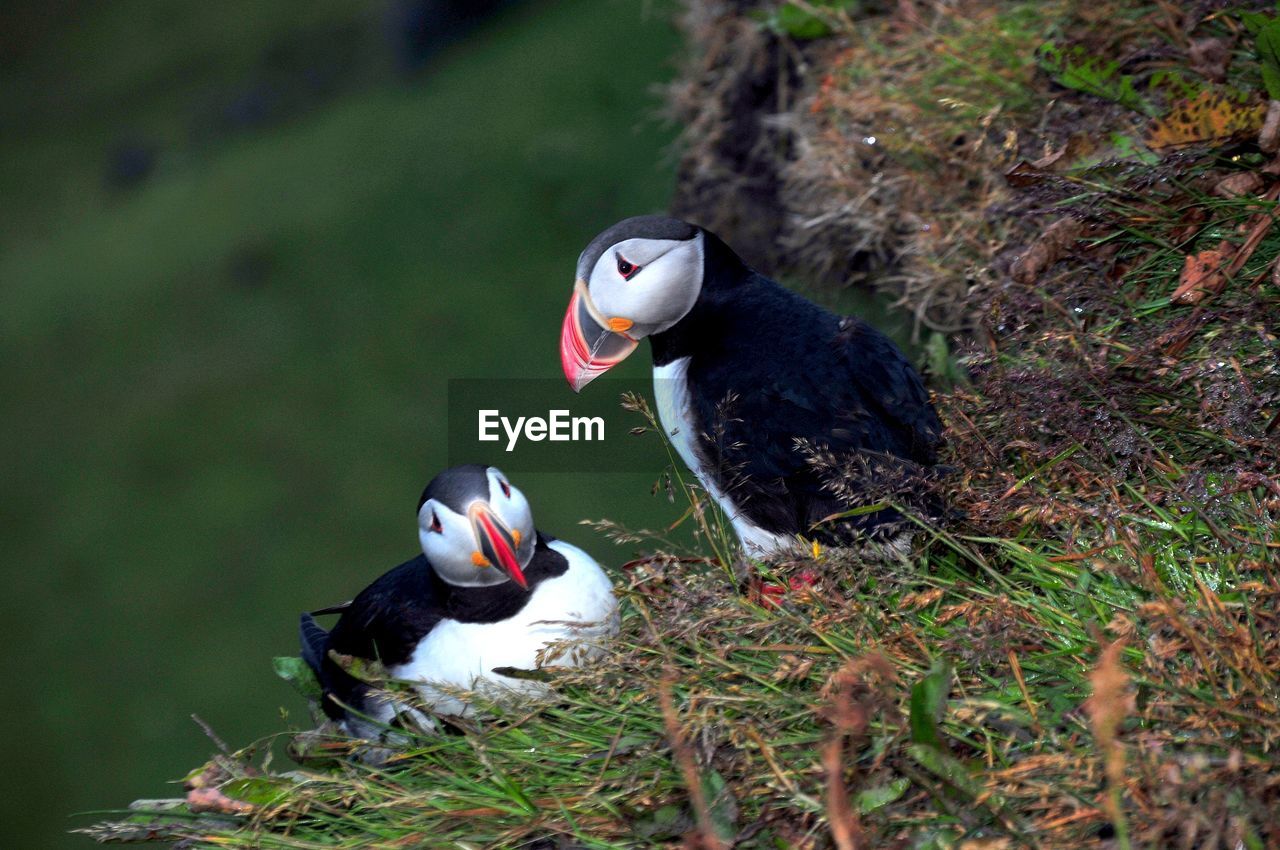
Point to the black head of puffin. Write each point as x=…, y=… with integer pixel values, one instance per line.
x=476, y=528
x=637, y=278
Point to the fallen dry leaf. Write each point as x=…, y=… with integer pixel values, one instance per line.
x=1048, y=248
x=1197, y=282
x=1238, y=184
x=1209, y=116
x=1078, y=146
x=1201, y=276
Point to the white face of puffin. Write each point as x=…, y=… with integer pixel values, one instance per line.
x=487, y=541
x=634, y=288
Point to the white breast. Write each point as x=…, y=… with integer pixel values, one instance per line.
x=563, y=624
x=671, y=391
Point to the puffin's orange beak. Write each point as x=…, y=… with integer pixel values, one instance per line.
x=591, y=345
x=497, y=542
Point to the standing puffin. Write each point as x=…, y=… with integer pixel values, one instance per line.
x=746, y=375
x=488, y=591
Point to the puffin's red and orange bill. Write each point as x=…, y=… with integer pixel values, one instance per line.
x=497, y=542
x=589, y=346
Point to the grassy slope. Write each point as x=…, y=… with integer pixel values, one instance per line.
x=189, y=460
x=1114, y=462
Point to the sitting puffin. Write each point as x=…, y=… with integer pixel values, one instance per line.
x=750, y=379
x=488, y=591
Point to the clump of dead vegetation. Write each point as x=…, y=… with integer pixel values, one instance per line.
x=871, y=156
x=1090, y=654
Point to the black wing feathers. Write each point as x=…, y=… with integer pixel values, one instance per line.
x=314, y=640
x=384, y=622
x=387, y=619
x=891, y=387
x=803, y=374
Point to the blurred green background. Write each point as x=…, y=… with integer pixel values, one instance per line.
x=243, y=246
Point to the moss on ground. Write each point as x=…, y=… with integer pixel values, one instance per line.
x=1091, y=653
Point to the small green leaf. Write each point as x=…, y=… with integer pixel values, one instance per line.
x=1268, y=47
x=803, y=24
x=860, y=510
x=1175, y=85
x=941, y=363
x=1255, y=22
x=798, y=23
x=523, y=674
x=929, y=703
x=1126, y=147
x=871, y=799
x=723, y=807
x=257, y=790
x=365, y=669
x=1075, y=68
x=665, y=822
x=946, y=767
x=297, y=673
x=630, y=743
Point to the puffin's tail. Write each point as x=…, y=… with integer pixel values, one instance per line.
x=313, y=639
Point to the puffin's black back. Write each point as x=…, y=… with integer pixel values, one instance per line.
x=793, y=371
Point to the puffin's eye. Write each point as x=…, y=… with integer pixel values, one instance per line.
x=506, y=488
x=626, y=269
x=435, y=523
